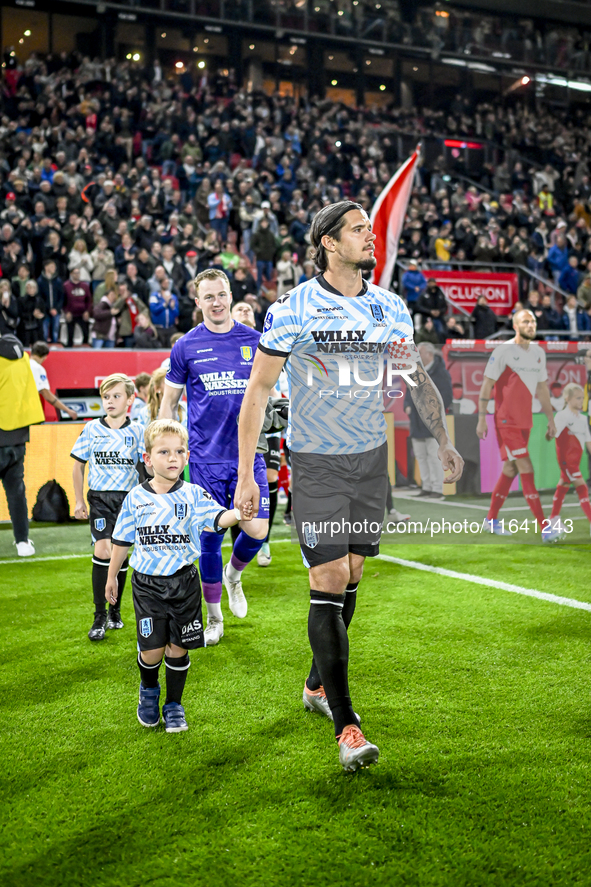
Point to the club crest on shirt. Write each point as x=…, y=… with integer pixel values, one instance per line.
x=146, y=627
x=246, y=352
x=310, y=535
x=180, y=510
x=377, y=312
x=100, y=524
x=129, y=441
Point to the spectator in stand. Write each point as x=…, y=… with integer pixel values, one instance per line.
x=128, y=307
x=455, y=328
x=125, y=253
x=414, y=285
x=145, y=335
x=242, y=284
x=51, y=290
x=534, y=304
x=558, y=257
x=103, y=260
x=574, y=319
x=428, y=333
x=77, y=306
x=104, y=332
x=551, y=318
x=81, y=259
x=484, y=319
x=432, y=303
x=288, y=273
x=584, y=292
x=569, y=278
x=309, y=271
x=31, y=311
x=263, y=245
x=8, y=309
x=219, y=204
x=164, y=311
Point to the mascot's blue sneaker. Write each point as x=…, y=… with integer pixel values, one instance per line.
x=174, y=718
x=148, y=710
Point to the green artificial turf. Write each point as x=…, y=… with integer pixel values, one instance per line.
x=477, y=698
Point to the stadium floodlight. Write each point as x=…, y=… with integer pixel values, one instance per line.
x=136, y=56
x=27, y=33
x=179, y=65
x=201, y=64
x=382, y=87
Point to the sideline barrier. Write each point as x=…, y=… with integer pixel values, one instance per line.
x=48, y=458
x=86, y=368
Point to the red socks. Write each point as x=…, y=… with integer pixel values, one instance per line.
x=532, y=497
x=558, y=500
x=499, y=494
x=583, y=495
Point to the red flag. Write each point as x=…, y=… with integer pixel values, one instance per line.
x=387, y=218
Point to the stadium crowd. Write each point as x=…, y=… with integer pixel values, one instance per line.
x=118, y=185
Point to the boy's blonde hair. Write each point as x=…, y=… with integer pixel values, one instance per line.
x=115, y=379
x=570, y=389
x=164, y=426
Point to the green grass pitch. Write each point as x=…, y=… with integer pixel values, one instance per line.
x=478, y=699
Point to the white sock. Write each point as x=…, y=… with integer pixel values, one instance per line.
x=214, y=610
x=232, y=573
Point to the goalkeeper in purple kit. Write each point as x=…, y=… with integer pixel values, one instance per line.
x=214, y=361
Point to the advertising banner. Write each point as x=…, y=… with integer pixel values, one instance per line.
x=463, y=289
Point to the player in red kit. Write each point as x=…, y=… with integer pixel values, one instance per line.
x=517, y=372
x=572, y=437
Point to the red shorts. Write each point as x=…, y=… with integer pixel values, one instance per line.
x=512, y=442
x=569, y=473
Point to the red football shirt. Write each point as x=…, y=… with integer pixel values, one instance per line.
x=516, y=372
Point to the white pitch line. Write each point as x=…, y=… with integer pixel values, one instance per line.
x=447, y=503
x=489, y=583
x=66, y=557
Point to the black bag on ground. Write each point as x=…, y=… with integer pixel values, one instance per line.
x=52, y=504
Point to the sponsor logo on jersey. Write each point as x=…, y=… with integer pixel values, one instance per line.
x=268, y=322
x=377, y=312
x=146, y=627
x=246, y=352
x=335, y=308
x=223, y=381
x=281, y=301
x=129, y=441
x=180, y=510
x=100, y=524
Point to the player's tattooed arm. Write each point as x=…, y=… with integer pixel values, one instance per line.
x=427, y=400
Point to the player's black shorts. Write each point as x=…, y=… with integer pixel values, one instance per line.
x=339, y=503
x=273, y=456
x=168, y=609
x=103, y=511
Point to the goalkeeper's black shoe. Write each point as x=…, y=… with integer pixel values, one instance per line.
x=97, y=632
x=114, y=618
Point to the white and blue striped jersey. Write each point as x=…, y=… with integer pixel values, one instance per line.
x=164, y=528
x=136, y=408
x=112, y=454
x=336, y=348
